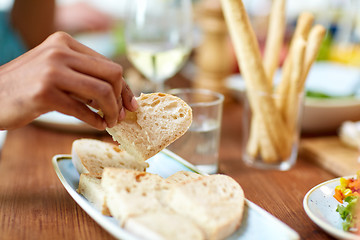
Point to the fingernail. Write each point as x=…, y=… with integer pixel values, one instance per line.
x=104, y=125
x=122, y=114
x=134, y=103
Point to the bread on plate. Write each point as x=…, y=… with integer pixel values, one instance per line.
x=90, y=188
x=132, y=193
x=182, y=176
x=213, y=204
x=163, y=225
x=92, y=156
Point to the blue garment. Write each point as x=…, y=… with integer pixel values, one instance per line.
x=11, y=44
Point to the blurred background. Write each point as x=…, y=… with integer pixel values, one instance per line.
x=83, y=20
x=99, y=24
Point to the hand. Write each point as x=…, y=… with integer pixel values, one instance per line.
x=63, y=75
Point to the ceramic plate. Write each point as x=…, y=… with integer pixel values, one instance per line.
x=320, y=206
x=256, y=224
x=2, y=138
x=61, y=121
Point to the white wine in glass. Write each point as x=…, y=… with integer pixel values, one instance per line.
x=158, y=37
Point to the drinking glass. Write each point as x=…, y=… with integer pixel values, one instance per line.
x=200, y=144
x=259, y=149
x=158, y=35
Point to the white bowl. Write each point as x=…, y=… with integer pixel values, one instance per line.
x=319, y=115
x=325, y=115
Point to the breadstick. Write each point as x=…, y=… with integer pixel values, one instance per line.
x=302, y=30
x=259, y=142
x=249, y=58
x=315, y=38
x=292, y=110
x=252, y=147
x=274, y=43
x=295, y=81
x=267, y=149
x=275, y=38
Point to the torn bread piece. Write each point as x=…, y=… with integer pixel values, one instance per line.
x=92, y=156
x=90, y=188
x=160, y=119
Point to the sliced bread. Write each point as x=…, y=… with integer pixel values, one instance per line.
x=160, y=119
x=132, y=193
x=215, y=203
x=90, y=188
x=92, y=156
x=182, y=176
x=163, y=225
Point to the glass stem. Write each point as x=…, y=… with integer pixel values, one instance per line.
x=160, y=86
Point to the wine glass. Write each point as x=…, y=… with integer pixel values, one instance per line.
x=158, y=35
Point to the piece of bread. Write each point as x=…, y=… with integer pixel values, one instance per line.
x=132, y=193
x=160, y=119
x=182, y=176
x=92, y=156
x=163, y=225
x=136, y=200
x=90, y=188
x=215, y=203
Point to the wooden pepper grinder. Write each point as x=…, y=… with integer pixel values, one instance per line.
x=214, y=57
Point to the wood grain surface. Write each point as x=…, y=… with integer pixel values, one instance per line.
x=34, y=204
x=331, y=154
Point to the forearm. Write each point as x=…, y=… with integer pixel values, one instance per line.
x=63, y=75
x=34, y=20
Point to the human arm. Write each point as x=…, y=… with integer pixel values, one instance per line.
x=34, y=20
x=63, y=75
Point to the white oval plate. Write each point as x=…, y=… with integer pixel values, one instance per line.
x=256, y=223
x=320, y=206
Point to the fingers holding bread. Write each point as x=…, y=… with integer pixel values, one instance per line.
x=159, y=120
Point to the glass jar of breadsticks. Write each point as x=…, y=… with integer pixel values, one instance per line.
x=269, y=144
x=272, y=116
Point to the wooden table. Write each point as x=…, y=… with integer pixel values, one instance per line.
x=34, y=204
